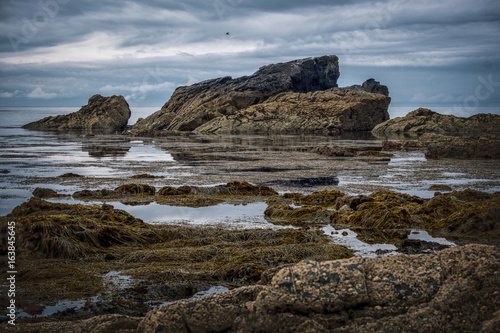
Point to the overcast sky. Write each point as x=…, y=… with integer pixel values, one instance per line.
x=428, y=52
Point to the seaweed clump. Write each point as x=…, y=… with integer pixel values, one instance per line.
x=76, y=246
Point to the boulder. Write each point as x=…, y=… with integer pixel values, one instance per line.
x=101, y=115
x=454, y=290
x=427, y=121
x=294, y=97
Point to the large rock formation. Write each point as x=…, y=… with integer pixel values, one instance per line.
x=331, y=111
x=300, y=96
x=101, y=114
x=427, y=121
x=454, y=290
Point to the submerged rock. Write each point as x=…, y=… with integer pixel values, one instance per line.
x=101, y=115
x=299, y=96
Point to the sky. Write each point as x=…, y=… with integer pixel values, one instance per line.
x=429, y=53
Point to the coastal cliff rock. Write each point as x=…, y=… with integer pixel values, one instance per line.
x=331, y=112
x=101, y=114
x=285, y=94
x=427, y=121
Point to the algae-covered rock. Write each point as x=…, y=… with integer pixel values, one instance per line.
x=136, y=189
x=101, y=114
x=72, y=231
x=45, y=193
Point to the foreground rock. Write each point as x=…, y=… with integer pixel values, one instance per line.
x=292, y=97
x=101, y=114
x=454, y=290
x=426, y=121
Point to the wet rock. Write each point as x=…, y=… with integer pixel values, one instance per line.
x=352, y=201
x=426, y=121
x=454, y=290
x=306, y=182
x=144, y=175
x=45, y=193
x=301, y=216
x=440, y=188
x=300, y=96
x=333, y=151
x=101, y=115
x=94, y=194
x=463, y=147
x=403, y=145
x=71, y=175
x=169, y=190
x=136, y=189
x=321, y=198
x=415, y=246
x=372, y=153
x=55, y=230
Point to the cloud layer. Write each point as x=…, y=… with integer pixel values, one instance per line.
x=64, y=51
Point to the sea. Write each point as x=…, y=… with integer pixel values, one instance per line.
x=31, y=159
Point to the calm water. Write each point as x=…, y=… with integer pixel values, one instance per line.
x=30, y=159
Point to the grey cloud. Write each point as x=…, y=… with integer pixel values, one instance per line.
x=186, y=41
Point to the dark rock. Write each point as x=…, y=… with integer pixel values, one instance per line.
x=333, y=151
x=101, y=115
x=416, y=246
x=45, y=193
x=135, y=189
x=294, y=97
x=440, y=188
x=306, y=182
x=427, y=121
x=70, y=175
x=462, y=147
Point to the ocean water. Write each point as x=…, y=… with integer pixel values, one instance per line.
x=30, y=159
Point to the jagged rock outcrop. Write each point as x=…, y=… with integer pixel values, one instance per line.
x=453, y=290
x=300, y=96
x=427, y=121
x=101, y=115
x=331, y=112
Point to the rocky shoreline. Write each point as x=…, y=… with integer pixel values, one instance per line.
x=79, y=246
x=120, y=270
